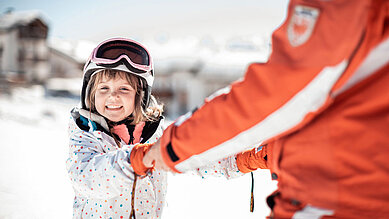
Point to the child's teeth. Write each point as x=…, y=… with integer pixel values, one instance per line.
x=113, y=107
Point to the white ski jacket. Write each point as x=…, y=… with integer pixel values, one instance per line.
x=102, y=175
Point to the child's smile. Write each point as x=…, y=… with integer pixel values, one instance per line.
x=113, y=107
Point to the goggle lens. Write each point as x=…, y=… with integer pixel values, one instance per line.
x=113, y=50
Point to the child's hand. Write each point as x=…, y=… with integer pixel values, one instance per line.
x=136, y=159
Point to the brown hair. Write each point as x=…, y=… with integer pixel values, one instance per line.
x=153, y=112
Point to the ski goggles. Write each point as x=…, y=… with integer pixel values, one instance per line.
x=114, y=51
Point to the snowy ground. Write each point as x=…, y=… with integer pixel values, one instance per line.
x=34, y=182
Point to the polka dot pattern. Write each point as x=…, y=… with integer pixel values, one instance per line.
x=224, y=168
x=102, y=178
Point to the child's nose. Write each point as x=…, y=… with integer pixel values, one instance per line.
x=114, y=94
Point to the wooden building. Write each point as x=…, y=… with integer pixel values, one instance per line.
x=24, y=53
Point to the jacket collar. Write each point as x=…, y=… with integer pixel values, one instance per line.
x=95, y=118
x=99, y=123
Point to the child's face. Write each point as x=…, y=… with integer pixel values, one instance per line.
x=115, y=99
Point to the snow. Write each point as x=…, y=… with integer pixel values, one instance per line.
x=78, y=49
x=34, y=181
x=191, y=197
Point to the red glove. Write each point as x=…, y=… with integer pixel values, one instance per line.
x=136, y=159
x=251, y=160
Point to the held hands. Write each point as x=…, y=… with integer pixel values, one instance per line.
x=154, y=158
x=147, y=157
x=136, y=159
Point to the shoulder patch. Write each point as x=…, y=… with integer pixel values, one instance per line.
x=301, y=24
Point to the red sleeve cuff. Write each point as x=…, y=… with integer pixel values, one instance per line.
x=167, y=151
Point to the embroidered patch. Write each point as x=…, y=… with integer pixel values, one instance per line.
x=301, y=24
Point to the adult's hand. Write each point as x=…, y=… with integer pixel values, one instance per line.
x=154, y=157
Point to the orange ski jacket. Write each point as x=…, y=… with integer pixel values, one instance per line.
x=320, y=103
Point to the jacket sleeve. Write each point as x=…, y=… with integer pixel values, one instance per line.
x=226, y=167
x=274, y=98
x=95, y=172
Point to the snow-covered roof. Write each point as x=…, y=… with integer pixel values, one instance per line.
x=20, y=18
x=79, y=50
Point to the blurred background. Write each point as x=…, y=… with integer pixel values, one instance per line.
x=198, y=47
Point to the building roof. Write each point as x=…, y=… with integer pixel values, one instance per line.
x=14, y=19
x=78, y=50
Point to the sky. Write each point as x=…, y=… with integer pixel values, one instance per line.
x=96, y=20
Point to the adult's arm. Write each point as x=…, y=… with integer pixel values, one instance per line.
x=277, y=97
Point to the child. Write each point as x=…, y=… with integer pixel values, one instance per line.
x=118, y=112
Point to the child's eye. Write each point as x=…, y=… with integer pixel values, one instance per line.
x=103, y=89
x=125, y=89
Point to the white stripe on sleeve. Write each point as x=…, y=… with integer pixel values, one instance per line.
x=309, y=99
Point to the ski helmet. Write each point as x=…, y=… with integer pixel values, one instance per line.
x=123, y=55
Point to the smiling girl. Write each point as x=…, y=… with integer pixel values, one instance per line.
x=117, y=112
